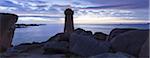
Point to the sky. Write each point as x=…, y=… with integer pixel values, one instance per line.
x=85, y=11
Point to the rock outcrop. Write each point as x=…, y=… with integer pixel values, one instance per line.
x=85, y=45
x=82, y=32
x=130, y=42
x=7, y=27
x=57, y=47
x=26, y=47
x=100, y=36
x=144, y=51
x=118, y=31
x=113, y=55
x=59, y=37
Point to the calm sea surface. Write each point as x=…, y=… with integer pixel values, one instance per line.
x=44, y=32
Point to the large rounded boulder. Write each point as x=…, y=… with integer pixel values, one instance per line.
x=130, y=42
x=117, y=31
x=100, y=36
x=144, y=52
x=57, y=47
x=84, y=44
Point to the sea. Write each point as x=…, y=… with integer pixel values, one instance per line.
x=44, y=32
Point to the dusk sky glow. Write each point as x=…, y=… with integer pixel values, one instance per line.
x=86, y=11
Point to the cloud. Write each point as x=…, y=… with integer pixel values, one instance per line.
x=108, y=6
x=137, y=9
x=8, y=4
x=106, y=20
x=130, y=4
x=27, y=5
x=106, y=12
x=39, y=15
x=38, y=20
x=60, y=6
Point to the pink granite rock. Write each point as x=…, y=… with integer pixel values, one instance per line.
x=7, y=27
x=130, y=42
x=86, y=45
x=118, y=31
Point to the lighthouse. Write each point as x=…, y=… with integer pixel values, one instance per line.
x=69, y=26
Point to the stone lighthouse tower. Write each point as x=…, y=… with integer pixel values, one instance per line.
x=69, y=26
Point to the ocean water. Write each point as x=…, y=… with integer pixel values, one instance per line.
x=44, y=32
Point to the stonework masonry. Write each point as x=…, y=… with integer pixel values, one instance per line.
x=69, y=25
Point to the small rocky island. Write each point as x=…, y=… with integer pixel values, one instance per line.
x=120, y=43
x=27, y=25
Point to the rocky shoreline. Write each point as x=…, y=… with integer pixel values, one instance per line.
x=120, y=43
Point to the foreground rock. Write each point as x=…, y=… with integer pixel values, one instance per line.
x=81, y=43
x=118, y=31
x=27, y=55
x=130, y=42
x=55, y=47
x=144, y=51
x=100, y=36
x=58, y=37
x=86, y=45
x=26, y=47
x=113, y=55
